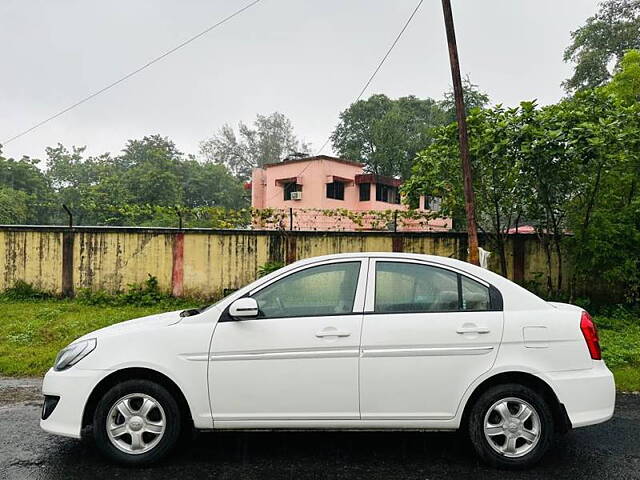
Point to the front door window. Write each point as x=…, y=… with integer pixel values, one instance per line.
x=323, y=290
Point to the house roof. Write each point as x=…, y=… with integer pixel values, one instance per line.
x=313, y=158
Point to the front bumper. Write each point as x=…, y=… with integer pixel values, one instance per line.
x=589, y=396
x=73, y=386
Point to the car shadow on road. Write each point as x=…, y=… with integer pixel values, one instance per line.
x=335, y=455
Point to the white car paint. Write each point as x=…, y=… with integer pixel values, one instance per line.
x=356, y=369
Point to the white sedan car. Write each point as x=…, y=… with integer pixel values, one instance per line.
x=351, y=341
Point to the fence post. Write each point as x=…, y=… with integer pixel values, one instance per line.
x=66, y=209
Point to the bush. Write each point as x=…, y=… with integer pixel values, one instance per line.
x=138, y=294
x=268, y=268
x=22, y=290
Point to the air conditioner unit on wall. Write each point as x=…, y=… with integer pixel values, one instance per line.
x=296, y=195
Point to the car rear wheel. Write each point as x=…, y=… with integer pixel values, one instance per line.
x=511, y=426
x=136, y=422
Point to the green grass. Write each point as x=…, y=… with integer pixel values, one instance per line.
x=620, y=340
x=32, y=332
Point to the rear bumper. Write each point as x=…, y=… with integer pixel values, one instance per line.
x=589, y=396
x=73, y=388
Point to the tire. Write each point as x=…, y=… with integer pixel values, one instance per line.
x=136, y=422
x=509, y=442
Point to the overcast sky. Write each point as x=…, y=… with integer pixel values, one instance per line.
x=305, y=58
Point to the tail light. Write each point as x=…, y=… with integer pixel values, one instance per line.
x=590, y=333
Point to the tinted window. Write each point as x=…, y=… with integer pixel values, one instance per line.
x=475, y=296
x=387, y=193
x=409, y=287
x=322, y=290
x=335, y=190
x=365, y=192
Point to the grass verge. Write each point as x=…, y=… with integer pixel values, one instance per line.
x=32, y=332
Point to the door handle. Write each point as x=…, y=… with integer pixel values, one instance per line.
x=472, y=329
x=332, y=332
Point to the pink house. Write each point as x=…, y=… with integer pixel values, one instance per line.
x=310, y=188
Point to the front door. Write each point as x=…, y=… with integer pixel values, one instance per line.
x=298, y=361
x=428, y=333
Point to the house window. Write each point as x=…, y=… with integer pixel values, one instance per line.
x=335, y=190
x=365, y=192
x=433, y=203
x=387, y=193
x=290, y=187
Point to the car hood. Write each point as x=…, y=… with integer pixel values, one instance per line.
x=142, y=323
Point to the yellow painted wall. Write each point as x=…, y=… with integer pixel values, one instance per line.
x=32, y=256
x=111, y=259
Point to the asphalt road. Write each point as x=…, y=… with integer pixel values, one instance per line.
x=609, y=451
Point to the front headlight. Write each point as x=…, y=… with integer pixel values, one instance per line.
x=74, y=353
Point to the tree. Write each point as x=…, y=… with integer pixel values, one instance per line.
x=496, y=170
x=473, y=98
x=626, y=82
x=604, y=215
x=151, y=173
x=208, y=184
x=26, y=191
x=14, y=206
x=603, y=39
x=144, y=185
x=386, y=134
x=571, y=169
x=271, y=139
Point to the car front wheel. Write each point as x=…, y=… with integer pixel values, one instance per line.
x=511, y=426
x=136, y=422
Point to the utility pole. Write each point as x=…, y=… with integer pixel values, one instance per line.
x=469, y=198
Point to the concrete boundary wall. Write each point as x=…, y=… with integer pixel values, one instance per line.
x=203, y=262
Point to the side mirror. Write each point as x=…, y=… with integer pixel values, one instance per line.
x=246, y=307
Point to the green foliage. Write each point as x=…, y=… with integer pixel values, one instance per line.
x=626, y=82
x=22, y=290
x=269, y=267
x=23, y=188
x=14, y=206
x=474, y=98
x=142, y=186
x=604, y=38
x=386, y=134
x=570, y=167
x=32, y=332
x=496, y=167
x=146, y=294
x=620, y=339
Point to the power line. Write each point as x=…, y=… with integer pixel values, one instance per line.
x=386, y=55
x=134, y=72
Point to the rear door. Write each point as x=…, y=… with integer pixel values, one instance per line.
x=428, y=333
